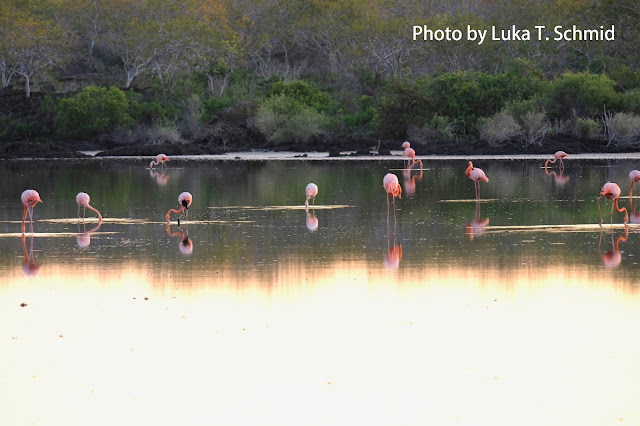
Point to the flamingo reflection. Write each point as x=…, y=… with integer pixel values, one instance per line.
x=560, y=179
x=312, y=221
x=186, y=244
x=394, y=251
x=30, y=268
x=477, y=226
x=613, y=257
x=410, y=181
x=161, y=178
x=83, y=239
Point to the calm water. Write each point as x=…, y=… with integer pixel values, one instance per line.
x=518, y=310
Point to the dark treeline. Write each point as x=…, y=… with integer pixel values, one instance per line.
x=287, y=71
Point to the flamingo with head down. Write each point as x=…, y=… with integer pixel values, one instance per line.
x=83, y=201
x=559, y=155
x=29, y=198
x=184, y=199
x=611, y=191
x=311, y=191
x=160, y=159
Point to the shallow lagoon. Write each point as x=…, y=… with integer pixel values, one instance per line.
x=519, y=309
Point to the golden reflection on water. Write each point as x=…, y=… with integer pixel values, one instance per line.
x=349, y=343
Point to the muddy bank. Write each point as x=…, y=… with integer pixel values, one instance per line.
x=336, y=146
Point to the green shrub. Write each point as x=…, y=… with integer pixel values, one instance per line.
x=213, y=107
x=92, y=111
x=362, y=120
x=441, y=126
x=401, y=105
x=281, y=118
x=303, y=93
x=498, y=128
x=578, y=95
x=587, y=128
x=630, y=101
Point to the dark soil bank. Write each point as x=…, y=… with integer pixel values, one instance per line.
x=334, y=146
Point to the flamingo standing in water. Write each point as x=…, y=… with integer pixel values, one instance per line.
x=476, y=175
x=611, y=191
x=392, y=187
x=411, y=158
x=160, y=159
x=311, y=190
x=559, y=155
x=30, y=198
x=184, y=199
x=83, y=201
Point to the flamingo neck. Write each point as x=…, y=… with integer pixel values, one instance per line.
x=97, y=212
x=468, y=172
x=621, y=209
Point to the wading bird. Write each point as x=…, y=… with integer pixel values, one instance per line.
x=559, y=155
x=160, y=159
x=405, y=145
x=634, y=176
x=30, y=198
x=411, y=158
x=184, y=199
x=311, y=190
x=392, y=187
x=611, y=191
x=476, y=175
x=83, y=201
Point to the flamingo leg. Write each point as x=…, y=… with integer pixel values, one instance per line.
x=599, y=211
x=24, y=218
x=31, y=219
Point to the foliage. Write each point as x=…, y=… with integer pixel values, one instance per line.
x=499, y=128
x=282, y=118
x=361, y=120
x=578, y=95
x=535, y=126
x=93, y=110
x=622, y=128
x=630, y=101
x=304, y=93
x=587, y=128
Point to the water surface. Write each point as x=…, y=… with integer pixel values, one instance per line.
x=518, y=309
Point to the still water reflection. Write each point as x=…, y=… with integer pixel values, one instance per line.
x=517, y=309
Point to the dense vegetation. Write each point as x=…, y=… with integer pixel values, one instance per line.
x=283, y=71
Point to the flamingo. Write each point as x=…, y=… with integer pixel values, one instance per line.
x=411, y=158
x=184, y=199
x=611, y=191
x=30, y=267
x=83, y=239
x=476, y=175
x=392, y=187
x=160, y=159
x=559, y=155
x=30, y=198
x=613, y=257
x=311, y=190
x=83, y=201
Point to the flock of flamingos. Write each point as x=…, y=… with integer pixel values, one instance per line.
x=30, y=197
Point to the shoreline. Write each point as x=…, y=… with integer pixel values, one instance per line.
x=325, y=156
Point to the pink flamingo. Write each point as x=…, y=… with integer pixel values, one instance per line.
x=30, y=198
x=392, y=187
x=611, y=191
x=411, y=158
x=311, y=190
x=184, y=199
x=476, y=175
x=559, y=155
x=83, y=201
x=160, y=159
